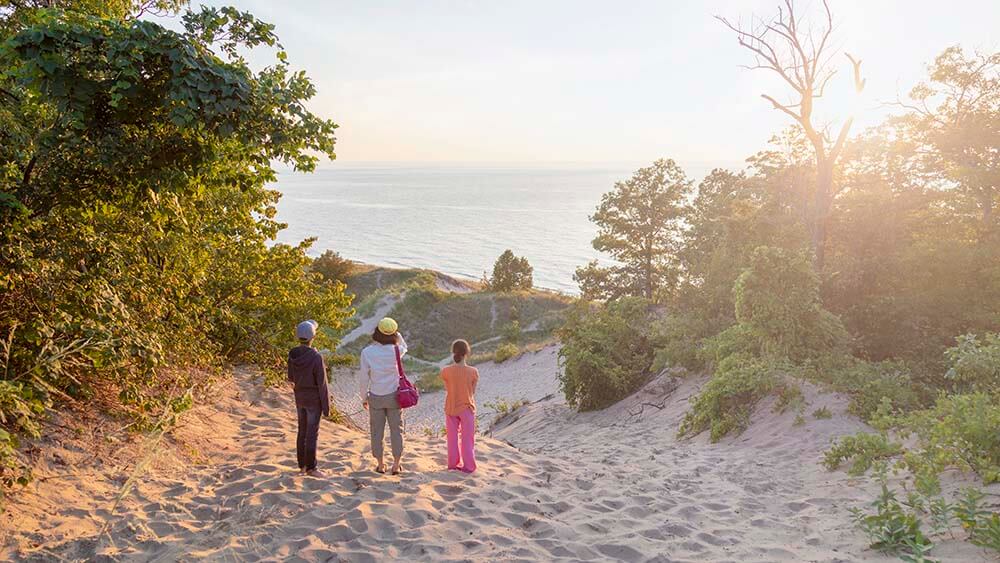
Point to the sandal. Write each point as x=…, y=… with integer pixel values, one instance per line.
x=380, y=469
x=397, y=470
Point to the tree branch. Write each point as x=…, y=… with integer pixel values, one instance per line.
x=10, y=94
x=841, y=139
x=26, y=178
x=782, y=107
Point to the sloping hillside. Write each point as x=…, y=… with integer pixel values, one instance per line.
x=434, y=309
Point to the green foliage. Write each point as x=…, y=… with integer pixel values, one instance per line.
x=431, y=319
x=982, y=526
x=790, y=398
x=959, y=431
x=778, y=307
x=679, y=340
x=975, y=365
x=639, y=225
x=332, y=266
x=368, y=283
x=871, y=384
x=822, y=413
x=505, y=352
x=892, y=528
x=135, y=218
x=510, y=273
x=429, y=382
x=511, y=332
x=726, y=402
x=606, y=352
x=503, y=407
x=864, y=449
x=780, y=329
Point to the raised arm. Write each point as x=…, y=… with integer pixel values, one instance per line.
x=364, y=377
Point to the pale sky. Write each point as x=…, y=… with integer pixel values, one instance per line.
x=585, y=81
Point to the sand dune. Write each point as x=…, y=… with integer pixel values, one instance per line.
x=609, y=485
x=530, y=377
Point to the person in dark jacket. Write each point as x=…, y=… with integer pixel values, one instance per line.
x=307, y=372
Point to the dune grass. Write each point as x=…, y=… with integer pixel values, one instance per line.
x=431, y=319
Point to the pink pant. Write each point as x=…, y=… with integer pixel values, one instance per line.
x=466, y=422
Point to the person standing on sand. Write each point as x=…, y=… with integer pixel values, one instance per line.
x=307, y=372
x=378, y=381
x=460, y=380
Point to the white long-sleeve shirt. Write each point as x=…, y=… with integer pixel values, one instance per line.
x=378, y=373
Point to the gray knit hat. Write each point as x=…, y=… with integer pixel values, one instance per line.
x=306, y=330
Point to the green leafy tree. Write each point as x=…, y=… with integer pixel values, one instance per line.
x=639, y=225
x=511, y=273
x=136, y=228
x=332, y=266
x=956, y=116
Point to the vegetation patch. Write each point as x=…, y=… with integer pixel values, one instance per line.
x=726, y=402
x=862, y=450
x=606, y=352
x=505, y=352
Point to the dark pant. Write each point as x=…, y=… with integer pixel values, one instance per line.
x=305, y=444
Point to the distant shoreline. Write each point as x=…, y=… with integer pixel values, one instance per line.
x=461, y=278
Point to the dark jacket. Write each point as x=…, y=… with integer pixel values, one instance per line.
x=308, y=372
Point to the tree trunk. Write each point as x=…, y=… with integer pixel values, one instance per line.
x=821, y=211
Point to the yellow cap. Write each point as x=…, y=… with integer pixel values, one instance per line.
x=387, y=326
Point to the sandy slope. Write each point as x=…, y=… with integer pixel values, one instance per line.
x=368, y=325
x=530, y=376
x=760, y=496
x=610, y=485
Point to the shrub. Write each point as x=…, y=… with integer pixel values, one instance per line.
x=726, y=402
x=975, y=364
x=871, y=383
x=778, y=308
x=983, y=526
x=332, y=266
x=503, y=407
x=892, y=528
x=511, y=273
x=960, y=431
x=863, y=448
x=429, y=381
x=606, y=353
x=511, y=333
x=822, y=413
x=505, y=352
x=678, y=342
x=790, y=397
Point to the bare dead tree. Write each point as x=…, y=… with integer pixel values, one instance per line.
x=802, y=57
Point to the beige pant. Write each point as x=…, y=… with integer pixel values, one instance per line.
x=382, y=409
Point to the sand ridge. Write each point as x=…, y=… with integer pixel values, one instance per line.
x=556, y=485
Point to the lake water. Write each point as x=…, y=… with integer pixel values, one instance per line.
x=452, y=218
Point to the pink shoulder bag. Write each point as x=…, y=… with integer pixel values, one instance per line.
x=407, y=395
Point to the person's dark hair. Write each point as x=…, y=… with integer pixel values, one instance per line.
x=460, y=349
x=377, y=336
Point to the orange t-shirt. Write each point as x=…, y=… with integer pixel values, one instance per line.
x=460, y=385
